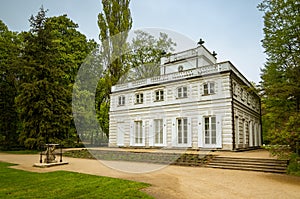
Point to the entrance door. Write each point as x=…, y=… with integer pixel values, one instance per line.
x=120, y=134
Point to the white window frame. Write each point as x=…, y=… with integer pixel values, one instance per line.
x=121, y=100
x=159, y=95
x=182, y=92
x=210, y=130
x=138, y=133
x=183, y=129
x=159, y=134
x=139, y=98
x=210, y=90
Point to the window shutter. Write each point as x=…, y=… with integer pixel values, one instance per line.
x=174, y=137
x=219, y=131
x=189, y=128
x=200, y=131
x=151, y=133
x=132, y=133
x=143, y=132
x=165, y=131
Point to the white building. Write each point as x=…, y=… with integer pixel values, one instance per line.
x=195, y=103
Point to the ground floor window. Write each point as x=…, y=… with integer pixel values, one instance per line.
x=158, y=131
x=210, y=130
x=138, y=134
x=182, y=131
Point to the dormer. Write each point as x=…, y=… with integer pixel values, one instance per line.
x=189, y=59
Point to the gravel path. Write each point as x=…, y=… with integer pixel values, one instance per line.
x=181, y=182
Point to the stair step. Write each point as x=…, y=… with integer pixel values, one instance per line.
x=248, y=169
x=249, y=162
x=251, y=159
x=248, y=166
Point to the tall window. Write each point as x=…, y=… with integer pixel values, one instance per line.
x=182, y=131
x=138, y=134
x=209, y=88
x=210, y=130
x=159, y=95
x=158, y=131
x=139, y=98
x=182, y=92
x=121, y=101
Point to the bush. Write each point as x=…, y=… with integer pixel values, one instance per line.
x=294, y=165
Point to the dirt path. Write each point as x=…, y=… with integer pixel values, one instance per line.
x=182, y=182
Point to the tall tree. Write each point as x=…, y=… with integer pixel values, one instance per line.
x=114, y=23
x=53, y=52
x=281, y=82
x=146, y=52
x=9, y=48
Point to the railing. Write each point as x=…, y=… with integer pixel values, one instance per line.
x=204, y=70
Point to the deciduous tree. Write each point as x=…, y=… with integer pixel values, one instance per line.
x=281, y=82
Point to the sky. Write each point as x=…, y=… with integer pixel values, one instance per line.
x=231, y=28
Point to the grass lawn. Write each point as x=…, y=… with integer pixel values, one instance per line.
x=62, y=184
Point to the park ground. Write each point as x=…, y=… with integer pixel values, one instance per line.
x=182, y=182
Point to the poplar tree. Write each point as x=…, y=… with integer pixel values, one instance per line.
x=114, y=23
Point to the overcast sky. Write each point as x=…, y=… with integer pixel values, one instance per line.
x=232, y=28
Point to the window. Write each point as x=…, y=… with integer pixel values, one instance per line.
x=210, y=130
x=158, y=131
x=139, y=98
x=209, y=88
x=182, y=92
x=159, y=95
x=248, y=98
x=138, y=132
x=182, y=131
x=242, y=94
x=234, y=88
x=121, y=101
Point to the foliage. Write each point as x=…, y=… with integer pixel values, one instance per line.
x=52, y=54
x=145, y=54
x=294, y=165
x=114, y=23
x=62, y=184
x=281, y=83
x=9, y=48
x=282, y=152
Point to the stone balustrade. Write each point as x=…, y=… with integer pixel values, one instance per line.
x=204, y=70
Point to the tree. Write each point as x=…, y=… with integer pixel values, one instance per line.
x=53, y=52
x=146, y=52
x=9, y=48
x=114, y=23
x=281, y=82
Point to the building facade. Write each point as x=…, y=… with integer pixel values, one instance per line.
x=195, y=103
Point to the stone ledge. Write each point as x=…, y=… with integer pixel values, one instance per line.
x=45, y=165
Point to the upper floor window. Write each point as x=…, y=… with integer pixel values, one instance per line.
x=242, y=94
x=182, y=92
x=209, y=88
x=234, y=88
x=121, y=101
x=139, y=98
x=159, y=95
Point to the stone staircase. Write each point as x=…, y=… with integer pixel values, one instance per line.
x=249, y=164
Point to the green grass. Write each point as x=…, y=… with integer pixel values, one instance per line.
x=62, y=184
